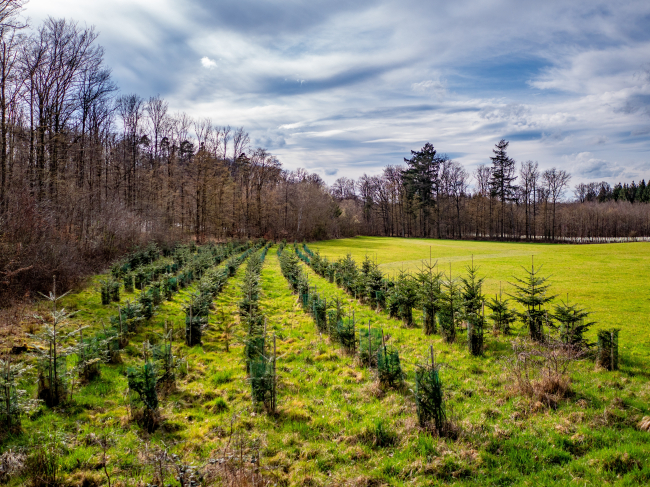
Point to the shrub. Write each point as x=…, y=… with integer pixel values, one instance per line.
x=541, y=371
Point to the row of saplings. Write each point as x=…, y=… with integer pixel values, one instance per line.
x=157, y=373
x=458, y=303
x=452, y=305
x=259, y=358
x=369, y=345
x=67, y=356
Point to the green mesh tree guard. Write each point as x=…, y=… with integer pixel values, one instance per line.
x=447, y=325
x=607, y=357
x=254, y=349
x=389, y=368
x=369, y=344
x=429, y=397
x=262, y=379
x=475, y=334
x=346, y=333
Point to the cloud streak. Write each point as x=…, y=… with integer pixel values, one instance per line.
x=345, y=88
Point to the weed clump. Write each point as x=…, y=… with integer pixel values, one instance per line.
x=541, y=371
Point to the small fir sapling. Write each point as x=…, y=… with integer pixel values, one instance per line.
x=115, y=291
x=607, y=357
x=91, y=352
x=226, y=332
x=128, y=283
x=389, y=368
x=531, y=293
x=370, y=342
x=429, y=291
x=572, y=323
x=502, y=316
x=53, y=352
x=14, y=400
x=404, y=296
x=142, y=382
x=346, y=334
x=473, y=312
x=146, y=305
x=450, y=308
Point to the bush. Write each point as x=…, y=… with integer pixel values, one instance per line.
x=541, y=371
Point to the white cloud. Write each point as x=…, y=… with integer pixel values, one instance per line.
x=208, y=63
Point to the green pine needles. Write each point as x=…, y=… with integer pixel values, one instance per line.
x=573, y=323
x=473, y=302
x=531, y=293
x=429, y=282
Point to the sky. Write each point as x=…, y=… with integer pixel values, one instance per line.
x=344, y=88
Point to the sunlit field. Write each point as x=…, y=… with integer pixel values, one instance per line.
x=611, y=280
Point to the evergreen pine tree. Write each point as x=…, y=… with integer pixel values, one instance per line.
x=531, y=293
x=501, y=178
x=472, y=300
x=502, y=316
x=429, y=288
x=572, y=323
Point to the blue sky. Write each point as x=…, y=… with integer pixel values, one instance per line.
x=344, y=88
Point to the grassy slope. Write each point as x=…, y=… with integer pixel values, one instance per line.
x=609, y=279
x=330, y=409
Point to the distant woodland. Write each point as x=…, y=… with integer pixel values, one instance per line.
x=87, y=173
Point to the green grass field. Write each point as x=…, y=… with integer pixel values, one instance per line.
x=611, y=280
x=336, y=426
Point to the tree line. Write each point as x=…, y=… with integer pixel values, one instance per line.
x=432, y=195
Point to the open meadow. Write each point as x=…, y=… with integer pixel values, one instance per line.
x=328, y=414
